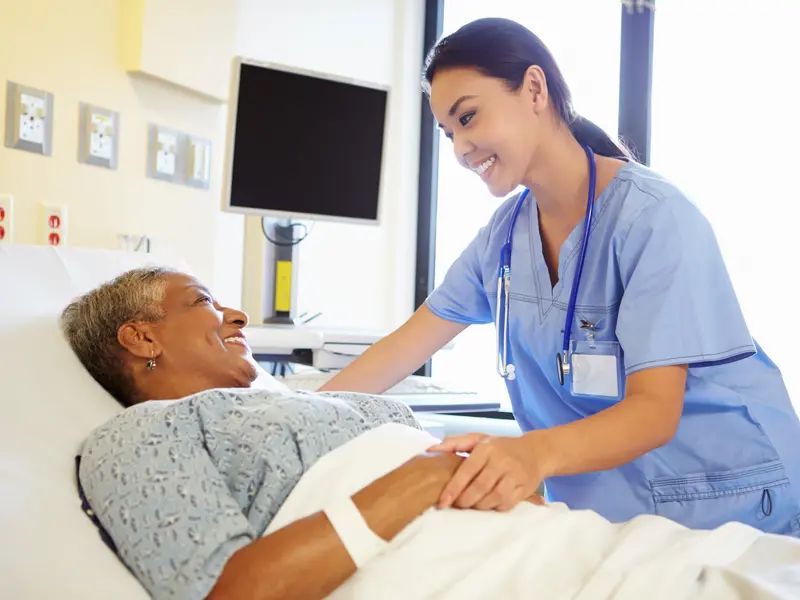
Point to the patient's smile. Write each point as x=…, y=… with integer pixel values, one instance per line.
x=236, y=340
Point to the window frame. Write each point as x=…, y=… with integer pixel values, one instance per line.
x=634, y=128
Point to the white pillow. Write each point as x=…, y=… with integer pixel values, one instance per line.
x=48, y=404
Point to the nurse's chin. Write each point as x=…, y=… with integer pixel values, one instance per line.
x=500, y=189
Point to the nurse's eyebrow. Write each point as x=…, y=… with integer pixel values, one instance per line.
x=457, y=103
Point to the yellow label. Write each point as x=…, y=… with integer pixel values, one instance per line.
x=283, y=286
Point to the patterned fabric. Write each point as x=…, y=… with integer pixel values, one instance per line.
x=182, y=485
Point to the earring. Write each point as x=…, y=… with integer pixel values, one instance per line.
x=151, y=364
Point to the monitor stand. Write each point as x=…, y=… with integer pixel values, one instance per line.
x=269, y=271
x=284, y=272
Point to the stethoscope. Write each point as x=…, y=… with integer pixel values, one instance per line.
x=506, y=369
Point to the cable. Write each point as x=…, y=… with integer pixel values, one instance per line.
x=290, y=241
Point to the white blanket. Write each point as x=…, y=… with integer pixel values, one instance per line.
x=540, y=552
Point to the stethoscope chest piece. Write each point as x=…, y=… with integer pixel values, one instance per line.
x=511, y=374
x=562, y=366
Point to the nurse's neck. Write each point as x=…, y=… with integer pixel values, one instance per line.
x=559, y=177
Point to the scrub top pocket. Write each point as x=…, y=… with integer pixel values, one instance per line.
x=758, y=496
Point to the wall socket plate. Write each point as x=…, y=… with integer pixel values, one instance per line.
x=198, y=162
x=98, y=136
x=29, y=119
x=6, y=219
x=52, y=225
x=164, y=150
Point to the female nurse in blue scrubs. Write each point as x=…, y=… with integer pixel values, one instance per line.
x=629, y=365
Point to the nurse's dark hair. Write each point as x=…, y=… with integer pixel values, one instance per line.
x=504, y=49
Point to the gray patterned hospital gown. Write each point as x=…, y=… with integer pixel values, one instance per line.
x=181, y=485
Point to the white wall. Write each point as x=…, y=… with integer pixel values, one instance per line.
x=357, y=275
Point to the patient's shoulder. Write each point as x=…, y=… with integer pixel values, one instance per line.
x=145, y=428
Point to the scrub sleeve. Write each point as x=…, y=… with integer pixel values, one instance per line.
x=461, y=297
x=679, y=305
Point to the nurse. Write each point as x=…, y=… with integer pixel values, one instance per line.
x=629, y=365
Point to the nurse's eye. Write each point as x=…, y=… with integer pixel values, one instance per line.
x=466, y=118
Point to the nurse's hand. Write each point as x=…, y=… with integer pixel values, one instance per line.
x=498, y=474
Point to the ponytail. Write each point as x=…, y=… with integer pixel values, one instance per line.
x=602, y=144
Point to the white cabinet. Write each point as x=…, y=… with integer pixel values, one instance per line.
x=189, y=43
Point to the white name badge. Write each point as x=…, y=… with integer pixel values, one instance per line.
x=595, y=369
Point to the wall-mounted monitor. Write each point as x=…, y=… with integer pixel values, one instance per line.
x=303, y=145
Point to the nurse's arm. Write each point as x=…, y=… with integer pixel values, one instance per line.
x=396, y=356
x=646, y=419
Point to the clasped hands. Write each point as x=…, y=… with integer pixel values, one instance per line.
x=498, y=474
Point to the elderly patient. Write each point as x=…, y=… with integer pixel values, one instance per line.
x=188, y=477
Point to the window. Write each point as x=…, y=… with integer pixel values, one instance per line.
x=584, y=36
x=725, y=129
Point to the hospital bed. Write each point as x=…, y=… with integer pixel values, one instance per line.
x=50, y=549
x=48, y=404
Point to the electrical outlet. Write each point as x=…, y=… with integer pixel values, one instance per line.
x=52, y=225
x=6, y=219
x=98, y=139
x=29, y=119
x=198, y=162
x=164, y=153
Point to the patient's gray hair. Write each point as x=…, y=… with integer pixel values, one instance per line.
x=91, y=323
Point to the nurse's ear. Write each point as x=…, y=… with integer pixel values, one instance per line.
x=535, y=89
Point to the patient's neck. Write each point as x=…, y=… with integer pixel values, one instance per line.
x=165, y=387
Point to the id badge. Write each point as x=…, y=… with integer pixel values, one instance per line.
x=596, y=368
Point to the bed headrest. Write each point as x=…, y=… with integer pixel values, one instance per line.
x=48, y=404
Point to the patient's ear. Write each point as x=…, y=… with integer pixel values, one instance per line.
x=136, y=339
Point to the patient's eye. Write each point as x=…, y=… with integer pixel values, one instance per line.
x=204, y=298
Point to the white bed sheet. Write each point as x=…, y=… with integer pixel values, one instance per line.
x=541, y=552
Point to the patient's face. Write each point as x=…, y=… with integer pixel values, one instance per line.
x=201, y=344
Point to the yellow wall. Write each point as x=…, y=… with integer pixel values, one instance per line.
x=72, y=49
x=357, y=276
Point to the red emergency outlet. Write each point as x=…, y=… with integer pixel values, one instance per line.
x=55, y=221
x=2, y=232
x=2, y=214
x=54, y=239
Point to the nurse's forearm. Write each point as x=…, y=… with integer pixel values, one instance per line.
x=396, y=356
x=608, y=439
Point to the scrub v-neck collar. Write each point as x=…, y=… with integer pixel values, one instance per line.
x=547, y=293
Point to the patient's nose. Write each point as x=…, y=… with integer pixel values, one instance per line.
x=237, y=317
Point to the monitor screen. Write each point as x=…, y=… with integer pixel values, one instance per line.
x=304, y=145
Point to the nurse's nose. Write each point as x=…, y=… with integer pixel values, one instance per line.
x=462, y=148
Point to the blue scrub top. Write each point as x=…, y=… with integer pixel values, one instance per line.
x=655, y=281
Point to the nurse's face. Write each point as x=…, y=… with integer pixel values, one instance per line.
x=494, y=129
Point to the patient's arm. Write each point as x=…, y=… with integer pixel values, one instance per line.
x=306, y=560
x=178, y=527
